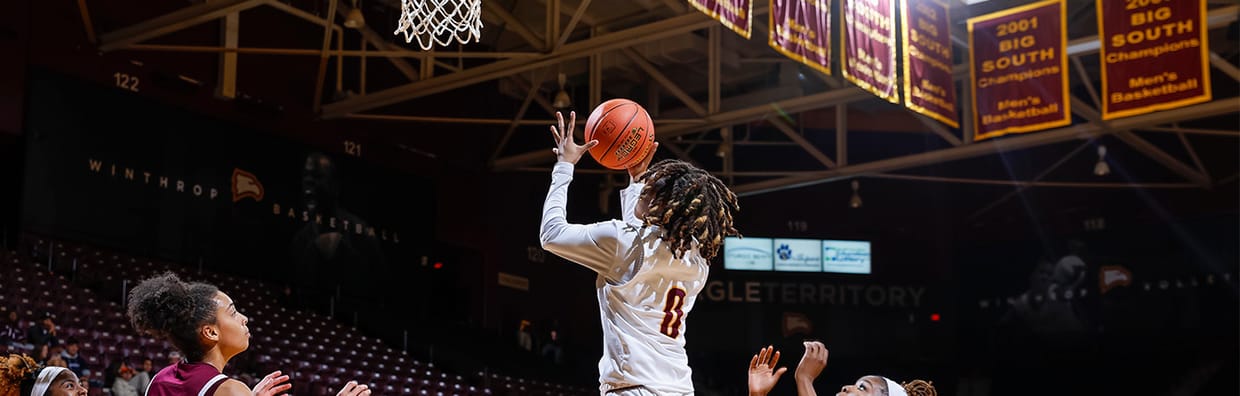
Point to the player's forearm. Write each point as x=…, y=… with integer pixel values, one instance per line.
x=554, y=211
x=805, y=387
x=628, y=203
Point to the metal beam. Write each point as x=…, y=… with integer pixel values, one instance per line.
x=540, y=99
x=1085, y=80
x=841, y=134
x=606, y=42
x=679, y=152
x=368, y=34
x=390, y=53
x=231, y=31
x=491, y=8
x=1080, y=131
x=1150, y=150
x=1141, y=145
x=472, y=121
x=938, y=129
x=1193, y=131
x=572, y=23
x=173, y=21
x=792, y=134
x=87, y=25
x=1036, y=178
x=1224, y=66
x=525, y=106
x=1192, y=153
x=676, y=6
x=664, y=81
x=1027, y=184
x=324, y=56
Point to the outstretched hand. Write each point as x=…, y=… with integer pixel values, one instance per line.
x=566, y=150
x=353, y=389
x=762, y=373
x=271, y=385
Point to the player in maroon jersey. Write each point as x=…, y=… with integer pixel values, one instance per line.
x=204, y=324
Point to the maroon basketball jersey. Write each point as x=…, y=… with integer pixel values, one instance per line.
x=186, y=379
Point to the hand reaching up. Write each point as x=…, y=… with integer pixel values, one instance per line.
x=565, y=148
x=353, y=389
x=762, y=373
x=812, y=363
x=272, y=385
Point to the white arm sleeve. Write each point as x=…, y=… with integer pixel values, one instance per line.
x=591, y=245
x=628, y=204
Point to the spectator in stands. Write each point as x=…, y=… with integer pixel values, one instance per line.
x=43, y=334
x=524, y=339
x=142, y=377
x=12, y=334
x=21, y=376
x=552, y=350
x=174, y=357
x=204, y=324
x=147, y=367
x=123, y=385
x=72, y=357
x=56, y=361
x=90, y=378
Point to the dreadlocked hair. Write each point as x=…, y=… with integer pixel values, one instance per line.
x=17, y=374
x=689, y=205
x=919, y=388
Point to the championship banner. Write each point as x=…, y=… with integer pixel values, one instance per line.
x=1154, y=55
x=868, y=45
x=929, y=88
x=801, y=30
x=735, y=14
x=1018, y=67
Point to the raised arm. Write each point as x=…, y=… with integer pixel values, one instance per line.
x=629, y=195
x=591, y=245
x=812, y=363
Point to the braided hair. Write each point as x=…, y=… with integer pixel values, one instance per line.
x=919, y=388
x=690, y=205
x=913, y=388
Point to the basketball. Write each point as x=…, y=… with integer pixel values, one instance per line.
x=624, y=131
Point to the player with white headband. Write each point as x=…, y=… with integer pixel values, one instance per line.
x=763, y=376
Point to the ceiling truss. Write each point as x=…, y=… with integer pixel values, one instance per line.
x=529, y=70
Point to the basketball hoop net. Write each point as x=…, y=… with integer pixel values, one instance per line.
x=440, y=21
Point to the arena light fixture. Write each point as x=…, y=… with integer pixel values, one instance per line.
x=355, y=20
x=855, y=201
x=1101, y=168
x=562, y=100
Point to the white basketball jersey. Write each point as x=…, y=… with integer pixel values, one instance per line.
x=644, y=292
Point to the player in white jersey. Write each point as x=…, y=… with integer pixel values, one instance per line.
x=651, y=264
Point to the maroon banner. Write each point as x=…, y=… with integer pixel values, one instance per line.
x=929, y=87
x=1018, y=66
x=735, y=14
x=801, y=30
x=1154, y=55
x=868, y=46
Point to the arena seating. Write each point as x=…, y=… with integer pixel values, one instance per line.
x=318, y=353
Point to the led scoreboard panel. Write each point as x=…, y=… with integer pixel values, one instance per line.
x=796, y=255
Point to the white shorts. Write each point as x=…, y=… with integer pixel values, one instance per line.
x=632, y=391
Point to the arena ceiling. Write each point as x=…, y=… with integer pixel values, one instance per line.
x=760, y=121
